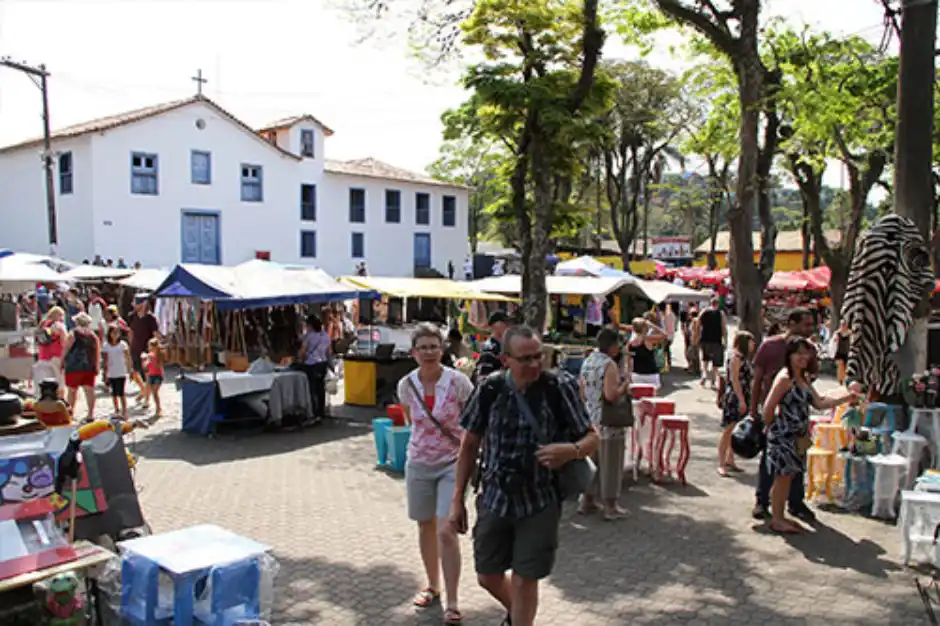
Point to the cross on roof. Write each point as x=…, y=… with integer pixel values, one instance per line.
x=200, y=81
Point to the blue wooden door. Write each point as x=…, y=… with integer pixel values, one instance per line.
x=200, y=238
x=422, y=250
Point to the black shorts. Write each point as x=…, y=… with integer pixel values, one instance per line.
x=117, y=386
x=526, y=546
x=713, y=353
x=138, y=364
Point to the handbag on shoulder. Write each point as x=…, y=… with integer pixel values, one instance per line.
x=617, y=414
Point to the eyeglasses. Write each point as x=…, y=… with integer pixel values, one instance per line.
x=434, y=348
x=526, y=359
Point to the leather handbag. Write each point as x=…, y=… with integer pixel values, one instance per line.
x=617, y=414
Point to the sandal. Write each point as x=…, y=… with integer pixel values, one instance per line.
x=723, y=472
x=735, y=468
x=426, y=597
x=452, y=617
x=618, y=513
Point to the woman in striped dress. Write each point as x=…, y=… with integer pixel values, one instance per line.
x=786, y=412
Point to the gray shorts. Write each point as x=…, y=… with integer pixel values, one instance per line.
x=527, y=546
x=430, y=490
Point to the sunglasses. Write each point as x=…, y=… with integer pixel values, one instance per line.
x=526, y=359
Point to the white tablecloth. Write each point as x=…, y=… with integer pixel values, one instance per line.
x=237, y=383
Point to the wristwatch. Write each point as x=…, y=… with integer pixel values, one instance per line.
x=577, y=450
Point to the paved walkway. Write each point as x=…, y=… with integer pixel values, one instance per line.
x=687, y=555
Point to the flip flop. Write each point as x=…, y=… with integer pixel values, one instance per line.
x=426, y=597
x=616, y=515
x=735, y=468
x=723, y=472
x=452, y=617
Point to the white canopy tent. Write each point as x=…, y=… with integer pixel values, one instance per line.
x=148, y=279
x=653, y=290
x=95, y=273
x=588, y=266
x=18, y=275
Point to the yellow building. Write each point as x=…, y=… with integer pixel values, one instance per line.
x=789, y=249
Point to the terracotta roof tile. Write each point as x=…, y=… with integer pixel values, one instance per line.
x=123, y=119
x=373, y=168
x=288, y=122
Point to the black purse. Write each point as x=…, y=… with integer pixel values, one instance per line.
x=617, y=414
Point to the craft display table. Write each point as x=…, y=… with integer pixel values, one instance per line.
x=187, y=554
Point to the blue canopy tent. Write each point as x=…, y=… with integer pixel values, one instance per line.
x=256, y=284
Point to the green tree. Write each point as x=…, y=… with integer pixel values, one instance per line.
x=732, y=28
x=535, y=93
x=838, y=98
x=647, y=114
x=712, y=135
x=478, y=165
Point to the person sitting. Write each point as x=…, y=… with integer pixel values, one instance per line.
x=51, y=410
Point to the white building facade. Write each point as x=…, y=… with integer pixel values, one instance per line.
x=188, y=182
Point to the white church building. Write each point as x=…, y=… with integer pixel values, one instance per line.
x=186, y=181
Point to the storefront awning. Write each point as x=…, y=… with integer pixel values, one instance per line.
x=405, y=287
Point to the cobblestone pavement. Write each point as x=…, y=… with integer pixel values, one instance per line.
x=686, y=555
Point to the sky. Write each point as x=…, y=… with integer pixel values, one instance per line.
x=264, y=60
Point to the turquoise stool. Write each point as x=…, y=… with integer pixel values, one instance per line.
x=398, y=437
x=888, y=424
x=380, y=426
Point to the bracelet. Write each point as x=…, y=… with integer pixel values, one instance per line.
x=577, y=450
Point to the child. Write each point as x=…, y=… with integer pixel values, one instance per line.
x=51, y=410
x=117, y=365
x=153, y=361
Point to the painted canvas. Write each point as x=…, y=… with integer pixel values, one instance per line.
x=89, y=494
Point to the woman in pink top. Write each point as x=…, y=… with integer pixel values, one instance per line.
x=433, y=397
x=50, y=344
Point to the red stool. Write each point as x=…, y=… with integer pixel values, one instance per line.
x=649, y=411
x=642, y=391
x=396, y=413
x=671, y=426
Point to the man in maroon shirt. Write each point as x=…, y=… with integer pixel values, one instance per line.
x=143, y=327
x=769, y=360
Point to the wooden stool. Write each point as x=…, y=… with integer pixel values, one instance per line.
x=672, y=426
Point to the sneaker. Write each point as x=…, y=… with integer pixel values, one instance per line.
x=803, y=513
x=760, y=512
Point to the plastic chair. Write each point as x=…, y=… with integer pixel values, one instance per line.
x=140, y=584
x=911, y=446
x=920, y=514
x=889, y=421
x=235, y=594
x=637, y=392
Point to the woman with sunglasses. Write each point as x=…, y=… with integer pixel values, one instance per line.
x=433, y=397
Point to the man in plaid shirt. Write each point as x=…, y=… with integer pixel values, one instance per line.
x=519, y=508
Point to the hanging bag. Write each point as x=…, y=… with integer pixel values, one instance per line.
x=617, y=414
x=575, y=476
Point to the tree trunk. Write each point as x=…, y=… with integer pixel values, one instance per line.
x=913, y=177
x=535, y=293
x=804, y=234
x=747, y=281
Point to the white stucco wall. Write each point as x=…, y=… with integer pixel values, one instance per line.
x=24, y=225
x=102, y=215
x=389, y=248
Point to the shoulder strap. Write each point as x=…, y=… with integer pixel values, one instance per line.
x=447, y=433
x=526, y=411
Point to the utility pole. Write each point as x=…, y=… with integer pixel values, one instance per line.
x=40, y=76
x=913, y=148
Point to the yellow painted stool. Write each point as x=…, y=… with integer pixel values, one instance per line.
x=821, y=459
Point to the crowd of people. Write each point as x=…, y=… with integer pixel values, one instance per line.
x=512, y=431
x=81, y=337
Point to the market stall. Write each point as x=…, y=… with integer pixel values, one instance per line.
x=251, y=310
x=17, y=275
x=383, y=343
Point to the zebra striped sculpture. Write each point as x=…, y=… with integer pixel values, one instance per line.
x=889, y=275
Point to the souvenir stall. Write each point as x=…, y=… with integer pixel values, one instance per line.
x=18, y=276
x=64, y=491
x=254, y=312
x=382, y=354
